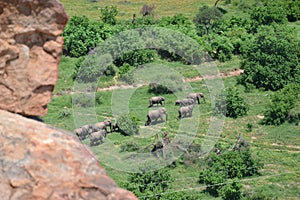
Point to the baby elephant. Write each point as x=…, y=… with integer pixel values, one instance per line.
x=196, y=96
x=184, y=102
x=185, y=111
x=82, y=132
x=154, y=115
x=102, y=126
x=156, y=100
x=96, y=138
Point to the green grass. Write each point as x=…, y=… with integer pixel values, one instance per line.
x=276, y=147
x=127, y=8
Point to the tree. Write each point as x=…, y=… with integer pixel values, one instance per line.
x=127, y=125
x=282, y=102
x=151, y=183
x=79, y=36
x=271, y=58
x=108, y=14
x=205, y=18
x=228, y=167
x=267, y=15
x=234, y=105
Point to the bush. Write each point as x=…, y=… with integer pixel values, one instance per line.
x=80, y=36
x=108, y=14
x=150, y=183
x=232, y=191
x=84, y=101
x=277, y=111
x=235, y=164
x=136, y=57
x=129, y=147
x=234, y=105
x=221, y=48
x=205, y=19
x=166, y=84
x=127, y=125
x=89, y=69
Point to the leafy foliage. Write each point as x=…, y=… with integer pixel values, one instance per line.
x=205, y=19
x=267, y=15
x=151, y=183
x=80, y=36
x=221, y=48
x=127, y=125
x=235, y=164
x=129, y=147
x=271, y=58
x=234, y=105
x=108, y=14
x=281, y=104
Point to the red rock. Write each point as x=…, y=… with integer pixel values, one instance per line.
x=30, y=50
x=38, y=161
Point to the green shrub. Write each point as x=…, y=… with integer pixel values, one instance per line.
x=166, y=84
x=108, y=14
x=270, y=59
x=234, y=105
x=83, y=100
x=151, y=183
x=80, y=36
x=129, y=147
x=205, y=19
x=277, y=111
x=232, y=191
x=127, y=125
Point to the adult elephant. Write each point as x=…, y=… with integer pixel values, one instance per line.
x=82, y=132
x=96, y=138
x=102, y=126
x=196, y=96
x=185, y=111
x=156, y=100
x=184, y=102
x=154, y=115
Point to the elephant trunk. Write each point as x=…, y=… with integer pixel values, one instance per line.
x=166, y=116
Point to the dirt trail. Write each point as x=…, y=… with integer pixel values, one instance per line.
x=236, y=72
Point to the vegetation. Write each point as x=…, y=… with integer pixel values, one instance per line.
x=234, y=106
x=262, y=104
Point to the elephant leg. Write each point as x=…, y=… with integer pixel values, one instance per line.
x=179, y=115
x=148, y=121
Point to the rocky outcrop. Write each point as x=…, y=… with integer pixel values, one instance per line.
x=41, y=162
x=37, y=161
x=30, y=49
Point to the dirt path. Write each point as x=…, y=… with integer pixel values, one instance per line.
x=236, y=72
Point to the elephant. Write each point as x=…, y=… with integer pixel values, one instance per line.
x=184, y=102
x=156, y=100
x=102, y=125
x=154, y=115
x=185, y=111
x=83, y=131
x=196, y=96
x=97, y=137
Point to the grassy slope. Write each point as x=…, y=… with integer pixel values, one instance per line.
x=277, y=147
x=128, y=8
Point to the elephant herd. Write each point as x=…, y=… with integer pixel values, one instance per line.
x=185, y=110
x=97, y=132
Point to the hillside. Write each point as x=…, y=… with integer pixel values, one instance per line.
x=263, y=103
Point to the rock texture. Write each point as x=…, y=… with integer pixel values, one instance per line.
x=41, y=162
x=30, y=49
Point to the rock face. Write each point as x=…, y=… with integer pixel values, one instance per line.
x=30, y=49
x=37, y=161
x=41, y=162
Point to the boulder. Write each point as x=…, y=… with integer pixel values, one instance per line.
x=38, y=161
x=30, y=50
